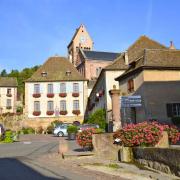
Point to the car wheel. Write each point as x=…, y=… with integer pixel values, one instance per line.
x=60, y=134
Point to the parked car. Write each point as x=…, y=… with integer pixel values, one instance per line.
x=61, y=130
x=87, y=126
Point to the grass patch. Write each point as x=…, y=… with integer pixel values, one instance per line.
x=113, y=166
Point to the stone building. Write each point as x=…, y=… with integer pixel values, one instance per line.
x=80, y=40
x=99, y=97
x=8, y=94
x=56, y=91
x=154, y=74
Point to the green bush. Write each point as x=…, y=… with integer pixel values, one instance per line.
x=99, y=130
x=98, y=117
x=56, y=123
x=8, y=137
x=28, y=130
x=19, y=109
x=50, y=129
x=176, y=120
x=72, y=129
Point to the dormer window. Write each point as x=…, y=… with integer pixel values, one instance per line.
x=44, y=74
x=68, y=73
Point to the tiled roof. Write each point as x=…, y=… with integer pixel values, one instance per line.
x=8, y=82
x=56, y=69
x=155, y=59
x=117, y=64
x=99, y=55
x=143, y=42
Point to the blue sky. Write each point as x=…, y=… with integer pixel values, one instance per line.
x=33, y=30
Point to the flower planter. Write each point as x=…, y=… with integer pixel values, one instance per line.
x=36, y=113
x=62, y=94
x=75, y=94
x=50, y=95
x=9, y=107
x=63, y=112
x=37, y=95
x=71, y=136
x=49, y=113
x=77, y=112
x=9, y=95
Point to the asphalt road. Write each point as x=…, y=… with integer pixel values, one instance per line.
x=22, y=160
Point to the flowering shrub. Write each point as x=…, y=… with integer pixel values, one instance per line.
x=84, y=138
x=173, y=133
x=145, y=134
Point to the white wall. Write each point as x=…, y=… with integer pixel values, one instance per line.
x=3, y=99
x=56, y=99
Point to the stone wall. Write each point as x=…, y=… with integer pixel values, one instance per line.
x=103, y=146
x=163, y=159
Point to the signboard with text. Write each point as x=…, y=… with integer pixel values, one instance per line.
x=131, y=101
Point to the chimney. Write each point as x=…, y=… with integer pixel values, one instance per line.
x=172, y=45
x=126, y=58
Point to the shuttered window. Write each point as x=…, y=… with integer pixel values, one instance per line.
x=173, y=109
x=36, y=88
x=63, y=88
x=50, y=106
x=50, y=88
x=75, y=87
x=63, y=105
x=36, y=106
x=76, y=105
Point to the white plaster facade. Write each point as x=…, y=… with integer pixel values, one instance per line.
x=6, y=107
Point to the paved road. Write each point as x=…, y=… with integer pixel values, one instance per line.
x=22, y=160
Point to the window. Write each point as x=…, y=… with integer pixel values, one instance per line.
x=50, y=88
x=50, y=106
x=173, y=109
x=36, y=88
x=62, y=105
x=75, y=87
x=9, y=91
x=36, y=106
x=76, y=105
x=63, y=88
x=131, y=85
x=8, y=103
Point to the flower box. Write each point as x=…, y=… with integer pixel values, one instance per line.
x=77, y=112
x=49, y=113
x=62, y=94
x=63, y=112
x=36, y=113
x=9, y=107
x=9, y=95
x=37, y=95
x=75, y=94
x=50, y=95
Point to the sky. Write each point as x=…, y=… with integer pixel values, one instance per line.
x=33, y=30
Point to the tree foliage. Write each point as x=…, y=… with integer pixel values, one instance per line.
x=98, y=117
x=21, y=76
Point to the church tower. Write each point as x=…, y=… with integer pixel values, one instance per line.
x=80, y=40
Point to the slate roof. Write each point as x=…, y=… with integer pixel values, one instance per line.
x=56, y=68
x=8, y=82
x=99, y=55
x=154, y=59
x=117, y=64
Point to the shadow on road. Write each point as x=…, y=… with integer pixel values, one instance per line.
x=11, y=168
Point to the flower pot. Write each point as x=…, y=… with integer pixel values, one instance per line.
x=49, y=113
x=37, y=95
x=36, y=113
x=75, y=94
x=77, y=112
x=50, y=95
x=62, y=94
x=63, y=112
x=71, y=136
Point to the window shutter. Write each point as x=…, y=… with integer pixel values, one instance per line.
x=169, y=110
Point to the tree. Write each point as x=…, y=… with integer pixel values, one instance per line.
x=98, y=117
x=3, y=73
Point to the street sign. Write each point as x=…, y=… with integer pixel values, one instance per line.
x=131, y=101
